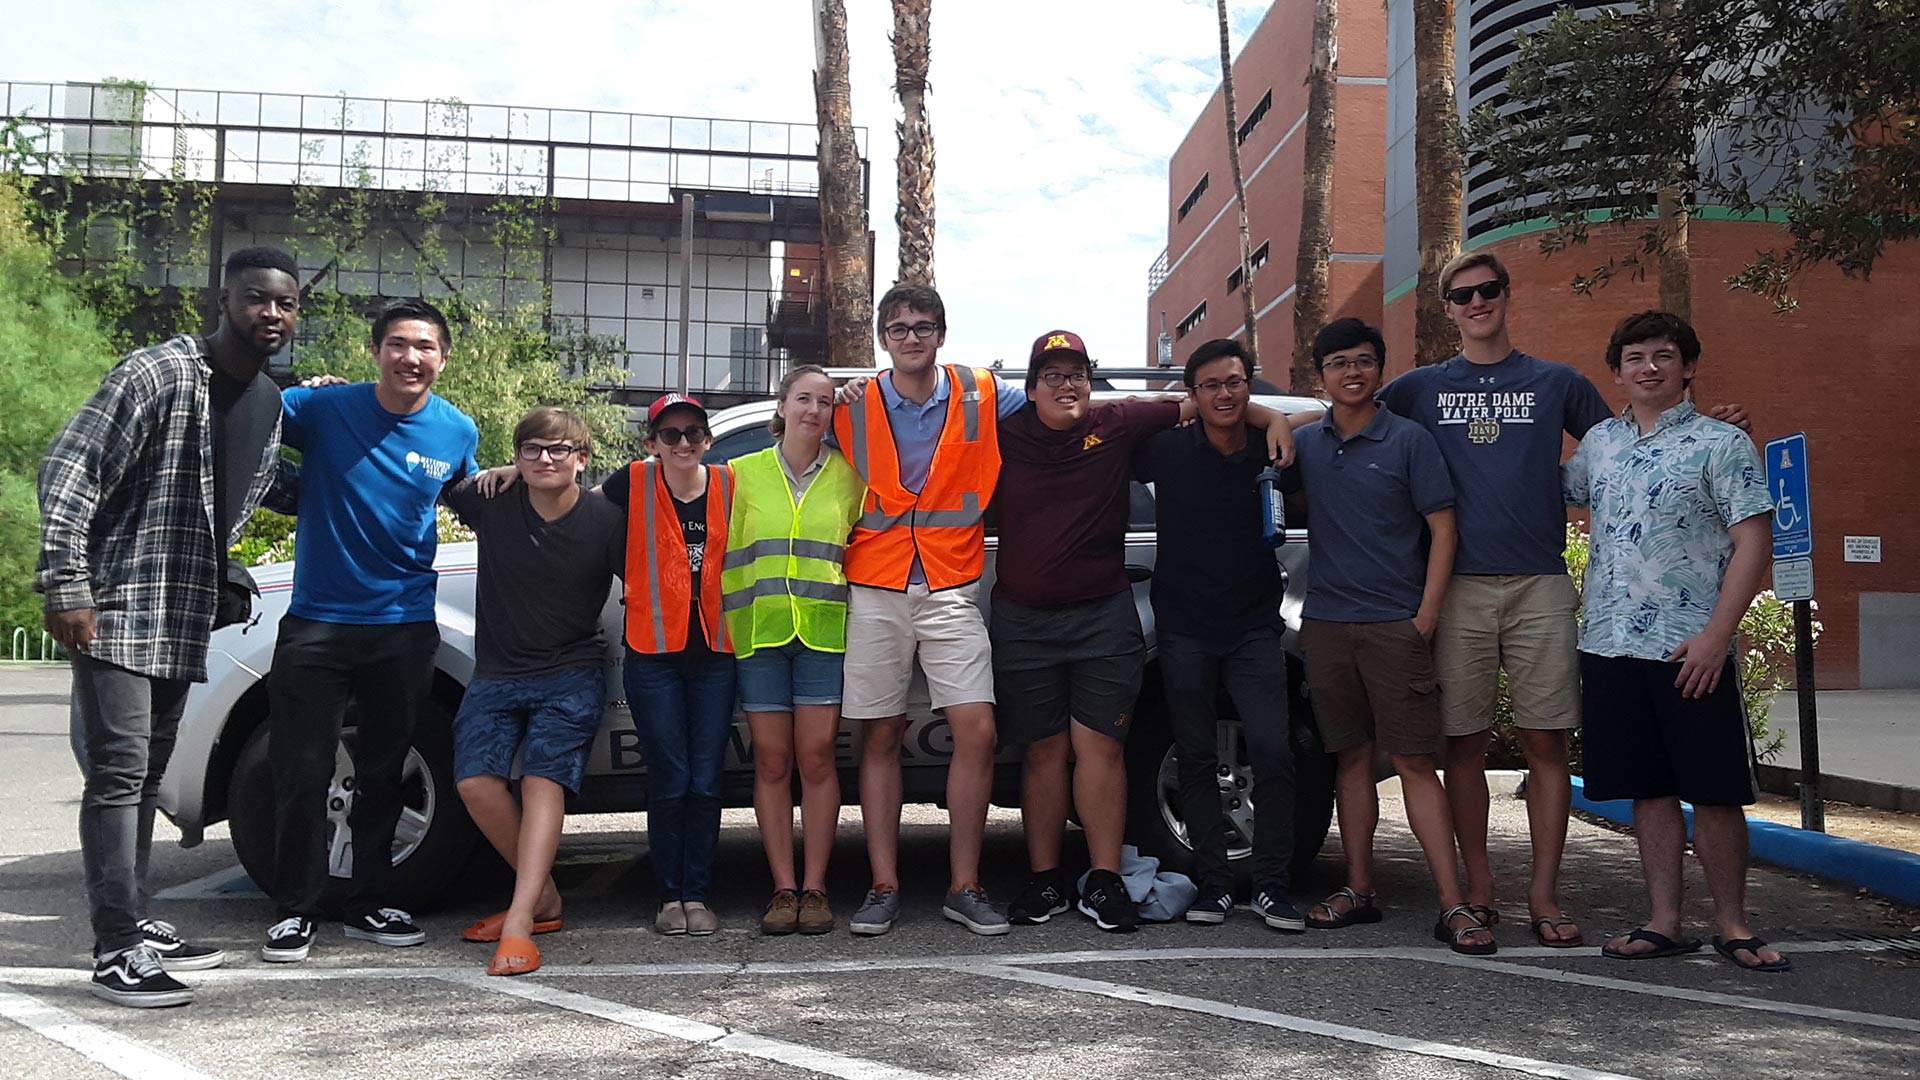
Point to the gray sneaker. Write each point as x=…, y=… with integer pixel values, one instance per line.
x=971, y=909
x=876, y=913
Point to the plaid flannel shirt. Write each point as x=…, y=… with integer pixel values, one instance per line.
x=126, y=512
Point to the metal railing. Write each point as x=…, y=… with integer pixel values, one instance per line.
x=1157, y=273
x=251, y=137
x=33, y=646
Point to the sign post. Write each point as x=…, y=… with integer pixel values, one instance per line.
x=1793, y=581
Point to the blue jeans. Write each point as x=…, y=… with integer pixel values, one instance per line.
x=682, y=707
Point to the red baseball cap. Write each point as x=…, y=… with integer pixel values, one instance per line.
x=1057, y=341
x=668, y=401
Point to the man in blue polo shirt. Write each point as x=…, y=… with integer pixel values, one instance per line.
x=375, y=459
x=1382, y=534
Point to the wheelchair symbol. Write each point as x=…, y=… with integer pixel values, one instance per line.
x=1786, y=516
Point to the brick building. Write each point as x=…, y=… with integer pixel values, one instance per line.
x=1834, y=368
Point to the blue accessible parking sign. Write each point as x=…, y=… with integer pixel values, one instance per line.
x=1787, y=484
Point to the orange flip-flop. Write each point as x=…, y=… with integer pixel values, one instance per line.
x=515, y=956
x=488, y=930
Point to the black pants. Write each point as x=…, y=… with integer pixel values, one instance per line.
x=387, y=672
x=1253, y=670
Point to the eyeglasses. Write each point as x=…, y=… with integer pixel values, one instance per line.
x=1346, y=364
x=921, y=330
x=1056, y=379
x=671, y=435
x=1488, y=290
x=553, y=451
x=1214, y=386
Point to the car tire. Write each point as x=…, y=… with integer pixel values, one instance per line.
x=1153, y=817
x=435, y=840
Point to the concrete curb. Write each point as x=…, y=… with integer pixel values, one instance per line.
x=1882, y=870
x=1783, y=780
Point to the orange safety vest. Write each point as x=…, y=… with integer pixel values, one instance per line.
x=659, y=574
x=944, y=523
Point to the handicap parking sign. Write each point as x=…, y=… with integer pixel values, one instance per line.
x=1787, y=484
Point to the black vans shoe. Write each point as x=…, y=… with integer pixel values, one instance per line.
x=288, y=941
x=388, y=926
x=175, y=952
x=1106, y=902
x=134, y=978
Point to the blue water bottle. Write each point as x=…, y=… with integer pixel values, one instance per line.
x=1273, y=508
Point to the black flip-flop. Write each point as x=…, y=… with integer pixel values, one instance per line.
x=1662, y=946
x=1731, y=949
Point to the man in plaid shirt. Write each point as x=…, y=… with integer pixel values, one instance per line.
x=140, y=495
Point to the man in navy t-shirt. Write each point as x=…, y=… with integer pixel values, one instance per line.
x=375, y=458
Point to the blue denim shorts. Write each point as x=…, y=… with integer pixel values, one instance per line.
x=555, y=714
x=777, y=679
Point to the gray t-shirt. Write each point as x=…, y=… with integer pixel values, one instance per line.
x=1499, y=428
x=542, y=584
x=1367, y=500
x=244, y=414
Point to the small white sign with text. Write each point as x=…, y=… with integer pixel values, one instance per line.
x=1793, y=579
x=1861, y=548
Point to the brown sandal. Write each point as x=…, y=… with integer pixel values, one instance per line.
x=1578, y=939
x=1457, y=939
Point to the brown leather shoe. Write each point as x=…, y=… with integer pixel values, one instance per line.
x=783, y=913
x=815, y=916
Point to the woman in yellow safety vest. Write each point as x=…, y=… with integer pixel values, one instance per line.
x=784, y=593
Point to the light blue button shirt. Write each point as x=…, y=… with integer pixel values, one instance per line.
x=1662, y=504
x=916, y=430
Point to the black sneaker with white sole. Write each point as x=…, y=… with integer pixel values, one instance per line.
x=288, y=941
x=134, y=978
x=1278, y=913
x=1106, y=902
x=175, y=952
x=388, y=926
x=1047, y=894
x=1212, y=906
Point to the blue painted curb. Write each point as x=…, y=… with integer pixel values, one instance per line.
x=1882, y=870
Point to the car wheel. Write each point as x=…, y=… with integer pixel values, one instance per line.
x=1159, y=828
x=432, y=841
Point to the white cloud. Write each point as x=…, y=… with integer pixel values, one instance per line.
x=1052, y=121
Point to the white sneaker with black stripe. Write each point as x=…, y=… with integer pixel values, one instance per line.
x=388, y=926
x=134, y=978
x=177, y=953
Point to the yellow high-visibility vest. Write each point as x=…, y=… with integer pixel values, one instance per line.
x=784, y=574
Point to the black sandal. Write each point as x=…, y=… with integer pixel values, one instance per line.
x=1457, y=939
x=1732, y=949
x=1663, y=946
x=1360, y=909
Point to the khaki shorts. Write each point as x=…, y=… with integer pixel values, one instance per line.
x=885, y=629
x=1372, y=683
x=1524, y=623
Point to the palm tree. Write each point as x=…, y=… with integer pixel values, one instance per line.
x=1437, y=180
x=1316, y=196
x=1239, y=181
x=843, y=213
x=914, y=216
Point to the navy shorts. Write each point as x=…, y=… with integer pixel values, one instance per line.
x=1642, y=740
x=778, y=678
x=555, y=714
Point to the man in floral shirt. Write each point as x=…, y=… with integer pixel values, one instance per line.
x=1681, y=541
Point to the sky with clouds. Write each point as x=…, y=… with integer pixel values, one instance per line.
x=1053, y=120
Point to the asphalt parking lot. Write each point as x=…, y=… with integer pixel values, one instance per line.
x=930, y=999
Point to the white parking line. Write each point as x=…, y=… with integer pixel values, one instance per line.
x=1284, y=1022
x=122, y=1056
x=825, y=1062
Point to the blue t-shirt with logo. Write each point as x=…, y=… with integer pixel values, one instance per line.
x=1500, y=427
x=369, y=480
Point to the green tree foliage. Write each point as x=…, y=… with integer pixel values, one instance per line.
x=54, y=351
x=1802, y=113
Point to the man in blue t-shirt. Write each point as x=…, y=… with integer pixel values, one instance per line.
x=1499, y=416
x=375, y=459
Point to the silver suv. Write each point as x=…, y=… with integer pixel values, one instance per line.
x=219, y=769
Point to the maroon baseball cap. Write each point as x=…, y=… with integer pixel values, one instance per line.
x=1057, y=341
x=668, y=401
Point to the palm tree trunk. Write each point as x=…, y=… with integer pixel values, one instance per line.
x=1310, y=272
x=914, y=216
x=843, y=210
x=1239, y=182
x=1437, y=179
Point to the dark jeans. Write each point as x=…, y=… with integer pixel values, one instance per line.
x=123, y=728
x=1253, y=670
x=387, y=672
x=682, y=707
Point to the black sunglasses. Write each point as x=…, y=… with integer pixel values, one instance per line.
x=672, y=435
x=1488, y=290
